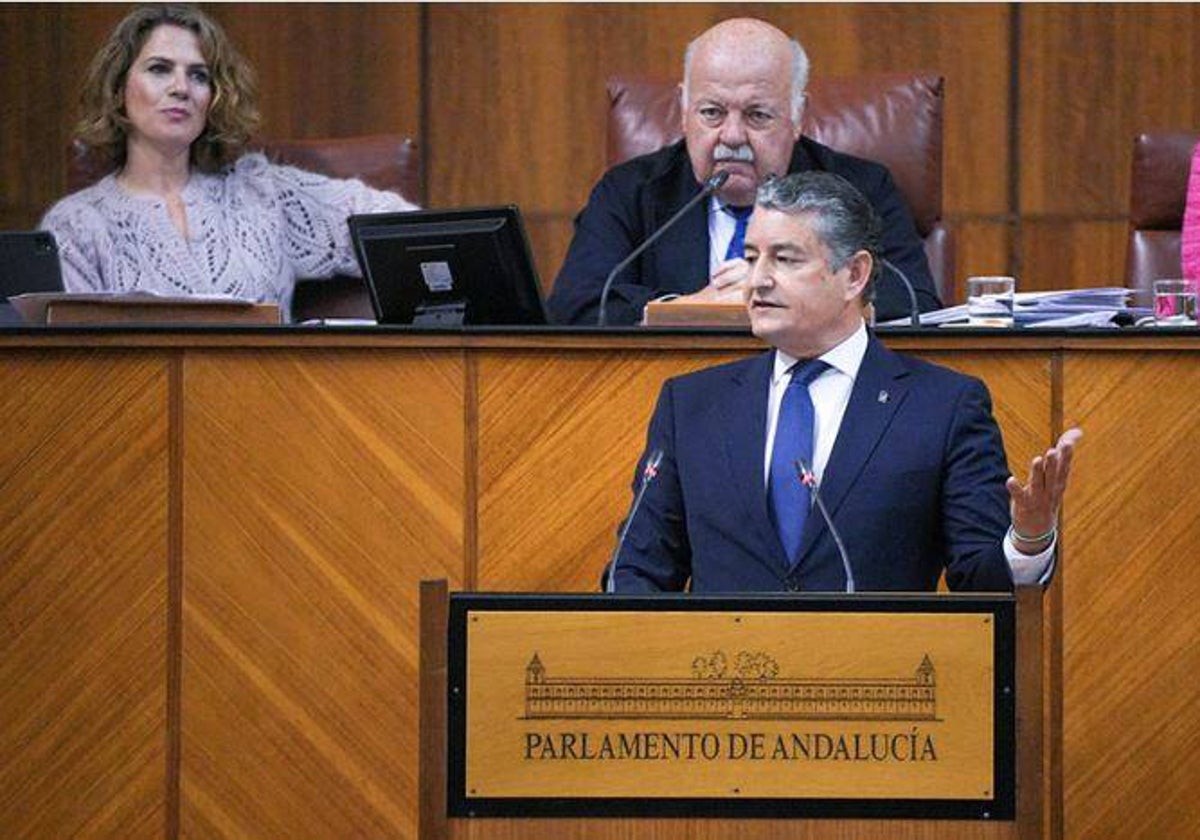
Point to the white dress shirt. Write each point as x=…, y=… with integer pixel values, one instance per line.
x=830, y=392
x=721, y=227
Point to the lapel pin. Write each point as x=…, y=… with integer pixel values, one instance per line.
x=883, y=396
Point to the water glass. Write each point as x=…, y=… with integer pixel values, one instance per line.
x=1174, y=303
x=990, y=301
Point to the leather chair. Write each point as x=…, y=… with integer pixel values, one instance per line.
x=893, y=119
x=1157, y=196
x=383, y=161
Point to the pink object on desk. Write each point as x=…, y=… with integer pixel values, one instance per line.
x=1190, y=244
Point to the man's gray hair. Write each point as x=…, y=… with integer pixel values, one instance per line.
x=799, y=76
x=845, y=221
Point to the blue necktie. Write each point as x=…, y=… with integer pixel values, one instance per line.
x=789, y=496
x=737, y=245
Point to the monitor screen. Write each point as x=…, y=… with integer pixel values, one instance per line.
x=448, y=267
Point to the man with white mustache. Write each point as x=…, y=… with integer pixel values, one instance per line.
x=742, y=99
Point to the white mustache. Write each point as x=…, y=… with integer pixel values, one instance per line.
x=739, y=154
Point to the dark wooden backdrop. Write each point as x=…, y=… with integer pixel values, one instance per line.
x=507, y=101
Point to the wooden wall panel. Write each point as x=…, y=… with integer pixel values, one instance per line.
x=1131, y=727
x=83, y=595
x=22, y=119
x=1020, y=387
x=321, y=488
x=1062, y=254
x=44, y=51
x=559, y=440
x=983, y=247
x=1092, y=77
x=332, y=69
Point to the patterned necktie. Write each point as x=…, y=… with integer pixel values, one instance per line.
x=790, y=500
x=737, y=245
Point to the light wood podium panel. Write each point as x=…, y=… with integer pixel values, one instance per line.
x=320, y=487
x=560, y=434
x=1130, y=625
x=435, y=757
x=83, y=592
x=211, y=542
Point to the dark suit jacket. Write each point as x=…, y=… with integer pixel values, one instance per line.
x=634, y=199
x=915, y=483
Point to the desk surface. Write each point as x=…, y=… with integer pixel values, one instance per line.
x=293, y=335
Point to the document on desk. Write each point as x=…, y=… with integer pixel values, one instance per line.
x=81, y=308
x=1064, y=308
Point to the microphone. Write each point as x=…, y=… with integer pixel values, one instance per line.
x=649, y=473
x=914, y=311
x=809, y=479
x=714, y=183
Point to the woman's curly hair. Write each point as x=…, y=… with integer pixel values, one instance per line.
x=232, y=114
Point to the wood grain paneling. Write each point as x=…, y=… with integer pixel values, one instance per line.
x=983, y=247
x=46, y=49
x=1021, y=398
x=559, y=440
x=1066, y=254
x=332, y=69
x=1131, y=730
x=319, y=490
x=1094, y=75
x=83, y=642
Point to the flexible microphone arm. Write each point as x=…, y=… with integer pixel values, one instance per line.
x=648, y=475
x=809, y=479
x=914, y=311
x=714, y=183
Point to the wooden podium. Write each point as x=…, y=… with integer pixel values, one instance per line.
x=866, y=717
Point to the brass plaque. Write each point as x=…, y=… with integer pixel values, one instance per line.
x=630, y=704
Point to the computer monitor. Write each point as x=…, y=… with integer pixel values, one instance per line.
x=449, y=267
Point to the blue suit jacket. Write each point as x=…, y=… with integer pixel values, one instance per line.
x=634, y=199
x=915, y=483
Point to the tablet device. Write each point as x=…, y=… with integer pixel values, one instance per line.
x=28, y=263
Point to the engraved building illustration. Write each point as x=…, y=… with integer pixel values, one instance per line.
x=750, y=689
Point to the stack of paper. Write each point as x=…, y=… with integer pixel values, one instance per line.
x=1095, y=307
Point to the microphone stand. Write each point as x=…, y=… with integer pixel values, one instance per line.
x=809, y=479
x=914, y=311
x=648, y=474
x=713, y=184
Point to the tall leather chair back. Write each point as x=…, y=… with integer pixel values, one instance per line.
x=891, y=118
x=1157, y=196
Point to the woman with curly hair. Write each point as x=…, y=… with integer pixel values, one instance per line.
x=171, y=104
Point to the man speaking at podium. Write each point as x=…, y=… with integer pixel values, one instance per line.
x=742, y=100
x=748, y=463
